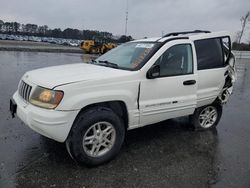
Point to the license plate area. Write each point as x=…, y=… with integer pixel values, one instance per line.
x=13, y=108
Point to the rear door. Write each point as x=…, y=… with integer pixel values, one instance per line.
x=173, y=94
x=211, y=69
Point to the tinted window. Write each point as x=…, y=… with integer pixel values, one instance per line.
x=209, y=54
x=177, y=60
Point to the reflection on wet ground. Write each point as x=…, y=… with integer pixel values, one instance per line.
x=168, y=154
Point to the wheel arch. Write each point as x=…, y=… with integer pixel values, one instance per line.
x=117, y=106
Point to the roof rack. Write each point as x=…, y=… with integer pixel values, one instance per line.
x=185, y=32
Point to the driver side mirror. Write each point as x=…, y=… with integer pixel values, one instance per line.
x=153, y=72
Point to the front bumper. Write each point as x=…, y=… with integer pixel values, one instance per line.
x=50, y=123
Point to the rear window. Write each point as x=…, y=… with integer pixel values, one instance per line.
x=209, y=54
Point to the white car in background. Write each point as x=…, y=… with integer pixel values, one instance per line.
x=90, y=106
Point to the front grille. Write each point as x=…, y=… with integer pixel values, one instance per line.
x=24, y=90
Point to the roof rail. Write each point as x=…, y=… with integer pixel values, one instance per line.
x=185, y=32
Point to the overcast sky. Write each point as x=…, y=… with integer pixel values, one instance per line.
x=145, y=18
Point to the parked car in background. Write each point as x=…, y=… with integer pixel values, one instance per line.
x=3, y=37
x=59, y=41
x=25, y=38
x=73, y=43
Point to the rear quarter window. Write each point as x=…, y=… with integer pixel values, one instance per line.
x=209, y=54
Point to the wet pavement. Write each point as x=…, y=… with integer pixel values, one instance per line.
x=29, y=46
x=168, y=154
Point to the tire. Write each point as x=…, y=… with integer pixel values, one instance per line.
x=104, y=50
x=84, y=136
x=206, y=117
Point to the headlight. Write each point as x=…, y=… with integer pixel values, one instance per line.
x=46, y=98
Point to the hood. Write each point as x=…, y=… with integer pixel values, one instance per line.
x=51, y=77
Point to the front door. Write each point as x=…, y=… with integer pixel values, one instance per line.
x=173, y=93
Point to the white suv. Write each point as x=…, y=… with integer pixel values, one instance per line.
x=89, y=106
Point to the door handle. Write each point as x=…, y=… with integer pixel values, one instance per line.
x=189, y=82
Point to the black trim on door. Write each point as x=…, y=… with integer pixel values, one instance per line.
x=189, y=82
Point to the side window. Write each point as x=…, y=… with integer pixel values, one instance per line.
x=209, y=54
x=177, y=60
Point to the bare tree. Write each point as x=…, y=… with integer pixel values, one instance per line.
x=244, y=19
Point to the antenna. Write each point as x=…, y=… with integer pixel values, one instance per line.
x=126, y=24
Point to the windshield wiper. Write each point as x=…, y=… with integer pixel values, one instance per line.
x=107, y=63
x=93, y=61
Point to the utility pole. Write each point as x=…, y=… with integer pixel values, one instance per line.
x=126, y=24
x=162, y=33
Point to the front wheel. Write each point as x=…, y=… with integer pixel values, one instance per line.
x=96, y=136
x=206, y=117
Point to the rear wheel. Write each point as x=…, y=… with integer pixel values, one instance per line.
x=96, y=136
x=206, y=117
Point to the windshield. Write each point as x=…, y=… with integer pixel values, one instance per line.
x=126, y=56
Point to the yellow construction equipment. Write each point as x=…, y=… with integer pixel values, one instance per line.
x=92, y=47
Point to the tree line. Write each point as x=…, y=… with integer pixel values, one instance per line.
x=69, y=33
